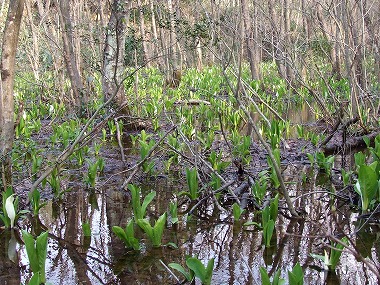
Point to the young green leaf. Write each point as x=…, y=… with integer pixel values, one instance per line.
x=158, y=230
x=296, y=275
x=86, y=229
x=31, y=251
x=188, y=275
x=268, y=232
x=41, y=249
x=149, y=198
x=367, y=185
x=200, y=271
x=35, y=280
x=237, y=211
x=264, y=276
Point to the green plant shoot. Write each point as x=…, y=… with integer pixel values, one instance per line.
x=173, y=207
x=237, y=211
x=367, y=184
x=86, y=228
x=331, y=260
x=276, y=278
x=35, y=200
x=36, y=250
x=139, y=209
x=127, y=235
x=154, y=233
x=296, y=275
x=204, y=273
x=192, y=183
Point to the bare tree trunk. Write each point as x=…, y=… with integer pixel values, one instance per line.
x=156, y=52
x=34, y=53
x=253, y=52
x=277, y=44
x=173, y=37
x=337, y=49
x=290, y=77
x=374, y=39
x=113, y=56
x=69, y=56
x=357, y=42
x=348, y=60
x=146, y=53
x=7, y=68
x=199, y=54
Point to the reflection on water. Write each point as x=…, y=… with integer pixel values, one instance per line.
x=237, y=250
x=9, y=267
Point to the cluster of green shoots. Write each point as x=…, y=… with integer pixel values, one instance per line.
x=155, y=235
x=36, y=249
x=368, y=176
x=295, y=276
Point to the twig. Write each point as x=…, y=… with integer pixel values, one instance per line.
x=335, y=128
x=224, y=187
x=171, y=272
x=369, y=217
x=357, y=255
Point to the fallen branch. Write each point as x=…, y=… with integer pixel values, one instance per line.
x=224, y=187
x=351, y=143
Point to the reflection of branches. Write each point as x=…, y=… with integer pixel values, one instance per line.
x=281, y=246
x=355, y=252
x=64, y=244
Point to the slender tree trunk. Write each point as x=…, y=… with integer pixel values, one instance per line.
x=337, y=48
x=250, y=36
x=173, y=37
x=114, y=52
x=199, y=54
x=374, y=39
x=69, y=56
x=7, y=68
x=348, y=60
x=156, y=41
x=34, y=53
x=288, y=43
x=146, y=53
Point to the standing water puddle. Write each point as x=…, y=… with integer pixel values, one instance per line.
x=208, y=233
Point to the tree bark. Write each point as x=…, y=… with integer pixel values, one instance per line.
x=7, y=68
x=251, y=35
x=69, y=56
x=146, y=53
x=173, y=38
x=349, y=60
x=113, y=56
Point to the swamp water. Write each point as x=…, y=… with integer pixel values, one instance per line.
x=238, y=251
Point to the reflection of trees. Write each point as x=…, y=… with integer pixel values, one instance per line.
x=67, y=240
x=118, y=214
x=10, y=271
x=77, y=209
